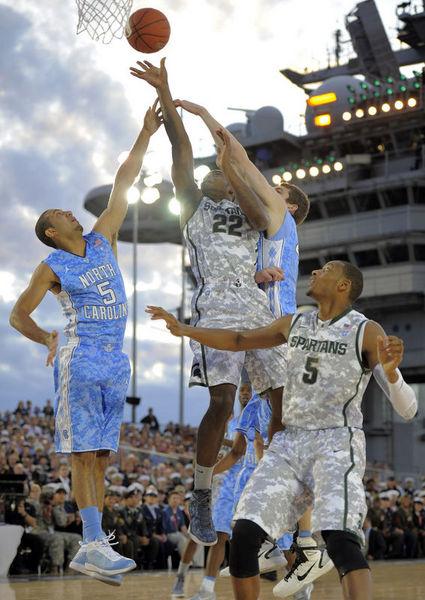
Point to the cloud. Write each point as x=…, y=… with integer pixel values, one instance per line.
x=68, y=107
x=57, y=110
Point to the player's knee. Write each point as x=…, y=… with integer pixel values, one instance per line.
x=222, y=538
x=345, y=551
x=245, y=544
x=222, y=399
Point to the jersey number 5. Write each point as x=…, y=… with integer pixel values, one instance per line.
x=230, y=224
x=107, y=293
x=311, y=371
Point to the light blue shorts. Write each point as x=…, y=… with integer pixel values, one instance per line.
x=241, y=481
x=91, y=383
x=223, y=505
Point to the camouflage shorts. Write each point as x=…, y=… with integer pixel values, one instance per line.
x=323, y=467
x=235, y=307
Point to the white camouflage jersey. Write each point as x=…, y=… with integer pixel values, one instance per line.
x=326, y=379
x=221, y=242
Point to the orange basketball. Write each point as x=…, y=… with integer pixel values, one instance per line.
x=148, y=30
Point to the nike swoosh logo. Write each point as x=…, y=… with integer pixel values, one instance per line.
x=302, y=577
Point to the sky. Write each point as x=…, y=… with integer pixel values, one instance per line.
x=68, y=108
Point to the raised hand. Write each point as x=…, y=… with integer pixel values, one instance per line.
x=51, y=342
x=390, y=353
x=191, y=107
x=232, y=150
x=269, y=274
x=223, y=150
x=153, y=118
x=155, y=76
x=173, y=325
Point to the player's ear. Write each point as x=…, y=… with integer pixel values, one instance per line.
x=344, y=285
x=50, y=232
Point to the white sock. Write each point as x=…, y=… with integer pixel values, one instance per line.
x=183, y=569
x=203, y=477
x=306, y=541
x=208, y=584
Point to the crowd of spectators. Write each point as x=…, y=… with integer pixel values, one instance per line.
x=395, y=522
x=148, y=487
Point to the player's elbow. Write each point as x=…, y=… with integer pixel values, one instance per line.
x=241, y=342
x=260, y=222
x=238, y=453
x=410, y=413
x=14, y=319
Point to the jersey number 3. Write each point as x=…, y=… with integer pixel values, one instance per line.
x=230, y=224
x=311, y=371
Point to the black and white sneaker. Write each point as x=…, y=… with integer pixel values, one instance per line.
x=310, y=563
x=270, y=558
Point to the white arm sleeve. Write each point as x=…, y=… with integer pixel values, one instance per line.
x=400, y=394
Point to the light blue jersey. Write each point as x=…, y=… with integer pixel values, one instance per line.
x=92, y=293
x=231, y=428
x=281, y=250
x=91, y=372
x=247, y=426
x=230, y=435
x=264, y=415
x=224, y=489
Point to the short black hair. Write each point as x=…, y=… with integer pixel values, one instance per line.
x=298, y=197
x=42, y=224
x=354, y=275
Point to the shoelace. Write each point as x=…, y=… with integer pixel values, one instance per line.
x=106, y=545
x=203, y=505
x=300, y=559
x=267, y=554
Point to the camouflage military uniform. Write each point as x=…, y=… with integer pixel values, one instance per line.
x=57, y=542
x=223, y=251
x=320, y=457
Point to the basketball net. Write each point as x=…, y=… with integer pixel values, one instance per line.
x=103, y=20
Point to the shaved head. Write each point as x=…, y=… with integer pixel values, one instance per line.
x=42, y=224
x=354, y=275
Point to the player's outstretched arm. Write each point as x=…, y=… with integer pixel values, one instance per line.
x=226, y=339
x=43, y=279
x=249, y=202
x=383, y=354
x=245, y=167
x=110, y=221
x=187, y=191
x=212, y=124
x=232, y=457
x=255, y=180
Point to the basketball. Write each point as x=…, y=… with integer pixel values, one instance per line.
x=148, y=30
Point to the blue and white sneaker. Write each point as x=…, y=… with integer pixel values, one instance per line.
x=78, y=563
x=101, y=558
x=201, y=528
x=178, y=587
